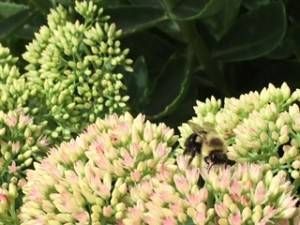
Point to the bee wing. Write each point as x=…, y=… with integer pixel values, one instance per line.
x=199, y=129
x=195, y=127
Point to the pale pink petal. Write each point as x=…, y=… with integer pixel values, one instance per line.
x=221, y=210
x=235, y=219
x=169, y=221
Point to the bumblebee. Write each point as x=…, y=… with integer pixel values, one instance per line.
x=208, y=144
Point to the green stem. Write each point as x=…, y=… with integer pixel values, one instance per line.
x=202, y=53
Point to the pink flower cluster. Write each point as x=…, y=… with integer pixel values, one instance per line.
x=251, y=194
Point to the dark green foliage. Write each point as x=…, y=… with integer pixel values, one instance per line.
x=186, y=49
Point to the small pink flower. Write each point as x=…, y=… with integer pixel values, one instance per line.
x=169, y=221
x=221, y=210
x=245, y=201
x=260, y=193
x=3, y=198
x=98, y=145
x=200, y=196
x=235, y=219
x=225, y=178
x=35, y=194
x=82, y=217
x=24, y=120
x=11, y=120
x=193, y=175
x=15, y=147
x=107, y=211
x=136, y=211
x=235, y=188
x=183, y=161
x=176, y=208
x=200, y=217
x=235, y=197
x=135, y=175
x=128, y=160
x=13, y=167
x=160, y=151
x=163, y=173
x=114, y=138
x=181, y=183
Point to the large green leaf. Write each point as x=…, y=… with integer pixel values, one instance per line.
x=63, y=2
x=138, y=84
x=155, y=3
x=12, y=23
x=111, y=3
x=252, y=4
x=132, y=19
x=42, y=5
x=255, y=34
x=171, y=86
x=221, y=22
x=295, y=37
x=191, y=9
x=8, y=8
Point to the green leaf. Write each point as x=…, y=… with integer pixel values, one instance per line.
x=12, y=23
x=42, y=5
x=155, y=3
x=252, y=4
x=255, y=34
x=191, y=9
x=295, y=37
x=138, y=84
x=132, y=19
x=62, y=2
x=8, y=8
x=26, y=32
x=283, y=51
x=222, y=21
x=171, y=86
x=111, y=3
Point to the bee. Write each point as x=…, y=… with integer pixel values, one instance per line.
x=208, y=144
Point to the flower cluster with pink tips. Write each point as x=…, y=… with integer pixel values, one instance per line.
x=124, y=169
x=92, y=179
x=121, y=171
x=251, y=194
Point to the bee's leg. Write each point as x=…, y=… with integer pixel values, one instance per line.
x=230, y=162
x=206, y=159
x=210, y=166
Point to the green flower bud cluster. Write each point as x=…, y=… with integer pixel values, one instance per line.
x=76, y=63
x=257, y=127
x=13, y=91
x=250, y=194
x=21, y=143
x=92, y=179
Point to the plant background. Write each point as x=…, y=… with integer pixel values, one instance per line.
x=185, y=50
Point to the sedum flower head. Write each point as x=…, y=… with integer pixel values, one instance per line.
x=93, y=179
x=250, y=194
x=77, y=64
x=21, y=143
x=259, y=127
x=13, y=91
